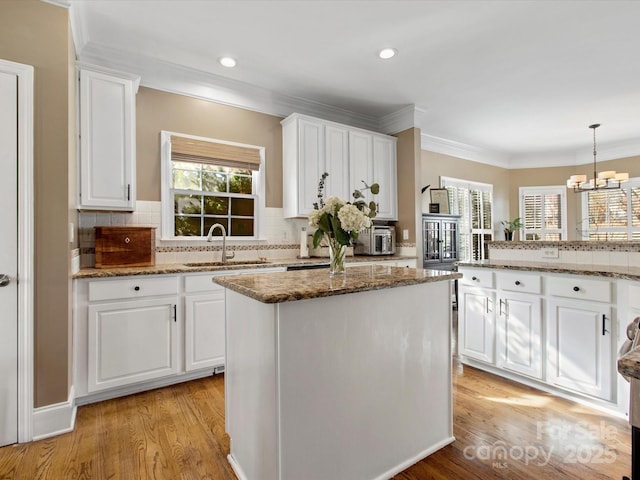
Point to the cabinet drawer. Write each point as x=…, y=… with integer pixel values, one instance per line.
x=478, y=277
x=519, y=282
x=132, y=287
x=201, y=283
x=580, y=288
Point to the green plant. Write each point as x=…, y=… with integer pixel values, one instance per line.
x=513, y=225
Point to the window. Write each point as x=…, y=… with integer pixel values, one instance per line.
x=474, y=203
x=543, y=211
x=612, y=214
x=208, y=181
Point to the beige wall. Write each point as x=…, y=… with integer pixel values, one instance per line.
x=436, y=165
x=157, y=110
x=554, y=176
x=36, y=33
x=409, y=174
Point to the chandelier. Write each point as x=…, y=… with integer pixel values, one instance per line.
x=608, y=179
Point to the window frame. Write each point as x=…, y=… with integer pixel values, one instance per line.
x=544, y=190
x=167, y=200
x=484, y=188
x=584, y=229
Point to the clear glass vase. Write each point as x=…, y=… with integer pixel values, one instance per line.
x=337, y=252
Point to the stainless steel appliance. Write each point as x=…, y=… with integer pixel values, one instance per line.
x=633, y=334
x=377, y=240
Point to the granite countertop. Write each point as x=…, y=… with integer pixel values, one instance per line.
x=621, y=272
x=629, y=364
x=168, y=268
x=281, y=287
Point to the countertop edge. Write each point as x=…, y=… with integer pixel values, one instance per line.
x=176, y=268
x=622, y=273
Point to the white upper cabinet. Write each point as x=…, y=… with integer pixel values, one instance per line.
x=107, y=140
x=312, y=146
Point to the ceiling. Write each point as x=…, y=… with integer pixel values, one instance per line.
x=517, y=81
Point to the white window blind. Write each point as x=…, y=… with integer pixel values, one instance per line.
x=543, y=211
x=207, y=181
x=474, y=203
x=612, y=214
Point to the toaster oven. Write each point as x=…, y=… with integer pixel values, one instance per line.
x=377, y=240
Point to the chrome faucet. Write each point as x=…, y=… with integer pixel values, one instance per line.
x=225, y=255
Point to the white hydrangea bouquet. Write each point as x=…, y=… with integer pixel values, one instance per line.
x=340, y=221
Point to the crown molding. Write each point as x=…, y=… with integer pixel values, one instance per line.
x=435, y=144
x=407, y=117
x=174, y=78
x=59, y=3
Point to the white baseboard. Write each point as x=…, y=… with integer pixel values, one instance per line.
x=54, y=419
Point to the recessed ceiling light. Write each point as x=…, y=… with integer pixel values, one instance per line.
x=228, y=62
x=387, y=53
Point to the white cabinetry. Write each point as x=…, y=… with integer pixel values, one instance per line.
x=476, y=315
x=476, y=324
x=373, y=160
x=519, y=333
x=130, y=341
x=580, y=338
x=553, y=331
x=107, y=140
x=312, y=146
x=204, y=323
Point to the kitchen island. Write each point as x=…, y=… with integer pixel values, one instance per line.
x=337, y=378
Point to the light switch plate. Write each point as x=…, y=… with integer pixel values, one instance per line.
x=405, y=234
x=550, y=252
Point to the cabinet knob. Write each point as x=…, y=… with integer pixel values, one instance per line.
x=576, y=289
x=517, y=282
x=474, y=278
x=136, y=288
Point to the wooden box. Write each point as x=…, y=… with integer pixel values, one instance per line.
x=125, y=246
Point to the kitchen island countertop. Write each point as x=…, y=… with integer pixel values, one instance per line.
x=299, y=285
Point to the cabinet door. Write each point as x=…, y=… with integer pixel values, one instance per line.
x=130, y=342
x=360, y=161
x=476, y=328
x=432, y=241
x=384, y=173
x=579, y=344
x=310, y=162
x=519, y=336
x=204, y=330
x=107, y=142
x=336, y=162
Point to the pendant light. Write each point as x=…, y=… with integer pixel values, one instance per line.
x=606, y=180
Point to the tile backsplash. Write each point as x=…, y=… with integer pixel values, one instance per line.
x=282, y=237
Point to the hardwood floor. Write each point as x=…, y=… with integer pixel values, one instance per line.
x=503, y=431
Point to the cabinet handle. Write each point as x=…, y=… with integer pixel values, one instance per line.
x=517, y=282
x=136, y=288
x=576, y=289
x=128, y=191
x=604, y=318
x=500, y=309
x=175, y=313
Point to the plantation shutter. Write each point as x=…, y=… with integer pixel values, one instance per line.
x=184, y=149
x=542, y=213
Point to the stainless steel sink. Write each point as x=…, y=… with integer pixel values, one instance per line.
x=235, y=263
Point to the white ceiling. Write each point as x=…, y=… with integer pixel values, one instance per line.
x=518, y=81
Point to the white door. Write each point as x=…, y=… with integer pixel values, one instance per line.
x=520, y=337
x=9, y=259
x=476, y=330
x=580, y=347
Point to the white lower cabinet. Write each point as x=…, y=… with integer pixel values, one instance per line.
x=580, y=347
x=131, y=342
x=204, y=330
x=519, y=335
x=557, y=330
x=476, y=323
